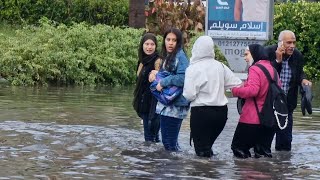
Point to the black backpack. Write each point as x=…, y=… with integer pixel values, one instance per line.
x=274, y=112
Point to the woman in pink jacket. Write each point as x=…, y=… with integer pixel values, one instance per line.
x=249, y=133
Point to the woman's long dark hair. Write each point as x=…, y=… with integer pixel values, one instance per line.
x=170, y=57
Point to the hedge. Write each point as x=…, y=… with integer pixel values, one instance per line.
x=79, y=54
x=113, y=13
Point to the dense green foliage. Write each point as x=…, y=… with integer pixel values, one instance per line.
x=79, y=54
x=75, y=55
x=65, y=11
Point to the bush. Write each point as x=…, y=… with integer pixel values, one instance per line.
x=79, y=54
x=113, y=13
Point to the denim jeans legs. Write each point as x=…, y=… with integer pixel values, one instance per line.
x=151, y=128
x=170, y=128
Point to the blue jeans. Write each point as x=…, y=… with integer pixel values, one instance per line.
x=170, y=128
x=284, y=137
x=151, y=128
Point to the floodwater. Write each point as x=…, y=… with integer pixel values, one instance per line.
x=93, y=133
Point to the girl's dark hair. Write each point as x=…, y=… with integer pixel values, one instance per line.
x=170, y=58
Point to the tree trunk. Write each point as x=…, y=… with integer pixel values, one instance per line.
x=136, y=13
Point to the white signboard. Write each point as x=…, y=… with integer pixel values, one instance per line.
x=234, y=24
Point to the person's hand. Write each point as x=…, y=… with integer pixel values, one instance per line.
x=154, y=72
x=306, y=82
x=241, y=85
x=279, y=53
x=159, y=87
x=152, y=75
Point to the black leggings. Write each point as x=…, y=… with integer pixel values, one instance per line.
x=206, y=124
x=249, y=136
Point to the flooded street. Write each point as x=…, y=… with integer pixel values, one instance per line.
x=93, y=133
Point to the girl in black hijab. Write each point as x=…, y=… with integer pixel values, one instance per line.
x=143, y=102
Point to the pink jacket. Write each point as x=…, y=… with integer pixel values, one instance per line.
x=256, y=86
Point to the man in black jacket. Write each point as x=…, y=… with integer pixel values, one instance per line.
x=288, y=61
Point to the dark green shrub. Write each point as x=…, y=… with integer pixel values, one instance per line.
x=76, y=55
x=79, y=54
x=113, y=13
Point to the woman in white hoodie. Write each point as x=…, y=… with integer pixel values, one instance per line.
x=206, y=80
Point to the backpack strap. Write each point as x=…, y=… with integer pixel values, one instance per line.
x=256, y=105
x=267, y=74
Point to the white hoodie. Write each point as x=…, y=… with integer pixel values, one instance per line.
x=206, y=79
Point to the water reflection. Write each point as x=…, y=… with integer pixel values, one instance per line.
x=93, y=133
